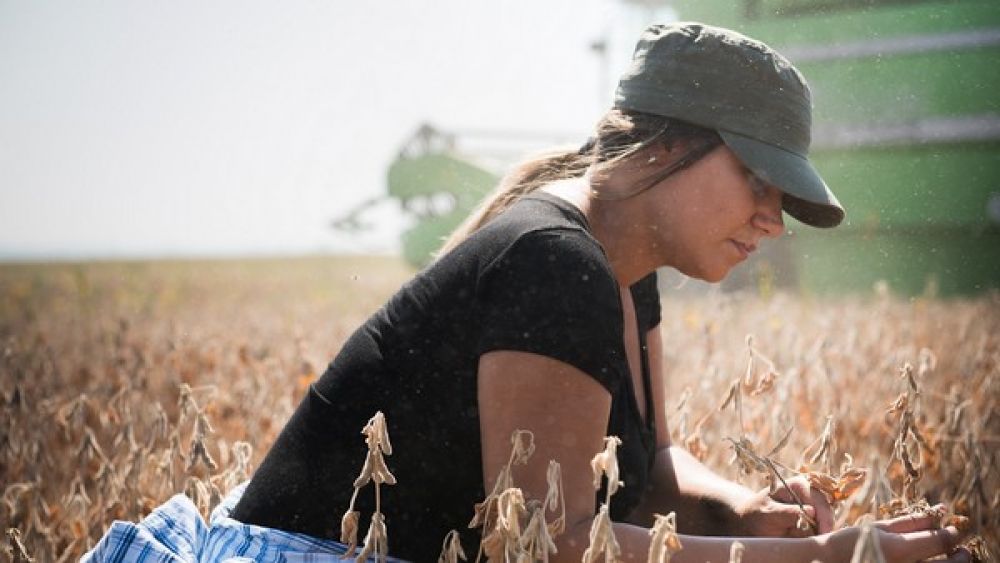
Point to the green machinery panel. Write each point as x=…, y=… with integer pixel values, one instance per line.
x=907, y=133
x=439, y=190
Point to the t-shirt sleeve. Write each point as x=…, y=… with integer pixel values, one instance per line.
x=552, y=293
x=646, y=296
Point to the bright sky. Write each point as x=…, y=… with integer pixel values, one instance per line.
x=207, y=127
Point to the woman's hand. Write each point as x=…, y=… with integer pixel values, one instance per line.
x=905, y=539
x=776, y=514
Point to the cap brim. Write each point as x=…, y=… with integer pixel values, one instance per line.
x=806, y=195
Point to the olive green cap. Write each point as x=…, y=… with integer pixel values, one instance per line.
x=757, y=101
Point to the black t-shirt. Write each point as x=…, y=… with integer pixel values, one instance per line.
x=531, y=280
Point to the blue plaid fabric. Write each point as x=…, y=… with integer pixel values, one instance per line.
x=176, y=533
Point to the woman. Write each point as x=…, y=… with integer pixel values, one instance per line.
x=542, y=314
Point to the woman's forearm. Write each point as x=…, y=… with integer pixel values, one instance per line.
x=635, y=540
x=705, y=503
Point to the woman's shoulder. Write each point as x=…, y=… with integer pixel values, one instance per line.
x=540, y=227
x=540, y=211
x=555, y=250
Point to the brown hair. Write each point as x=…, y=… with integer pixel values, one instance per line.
x=619, y=135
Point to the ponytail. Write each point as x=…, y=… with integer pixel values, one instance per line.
x=529, y=175
x=620, y=135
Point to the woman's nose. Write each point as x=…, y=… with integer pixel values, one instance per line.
x=768, y=217
x=771, y=223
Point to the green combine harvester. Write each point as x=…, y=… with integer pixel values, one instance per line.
x=435, y=186
x=439, y=188
x=907, y=132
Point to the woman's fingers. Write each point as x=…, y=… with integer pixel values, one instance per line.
x=787, y=517
x=794, y=515
x=929, y=543
x=920, y=536
x=799, y=485
x=912, y=522
x=822, y=512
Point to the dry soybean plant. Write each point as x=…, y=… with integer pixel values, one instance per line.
x=515, y=527
x=503, y=513
x=665, y=542
x=98, y=425
x=377, y=539
x=603, y=544
x=891, y=383
x=123, y=384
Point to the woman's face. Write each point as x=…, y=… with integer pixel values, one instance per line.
x=718, y=213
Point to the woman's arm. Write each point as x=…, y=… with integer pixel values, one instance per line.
x=568, y=411
x=706, y=503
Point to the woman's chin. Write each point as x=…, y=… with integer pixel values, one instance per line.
x=715, y=277
x=710, y=275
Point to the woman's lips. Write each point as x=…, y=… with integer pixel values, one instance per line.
x=743, y=249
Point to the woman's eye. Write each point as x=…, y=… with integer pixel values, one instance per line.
x=757, y=186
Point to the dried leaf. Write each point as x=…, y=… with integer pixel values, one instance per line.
x=451, y=549
x=536, y=541
x=376, y=540
x=602, y=539
x=781, y=443
x=838, y=488
x=522, y=446
x=736, y=550
x=696, y=446
x=555, y=498
x=899, y=405
x=349, y=530
x=19, y=553
x=665, y=542
x=867, y=548
x=377, y=435
x=606, y=463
